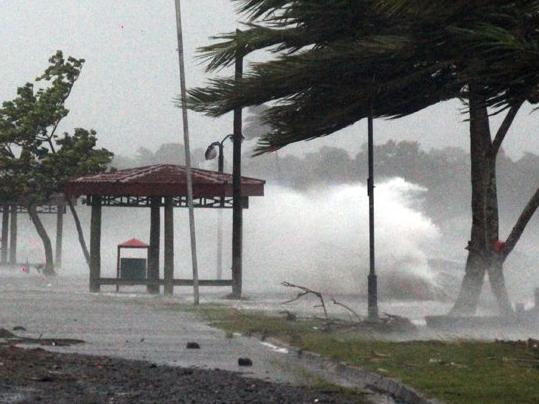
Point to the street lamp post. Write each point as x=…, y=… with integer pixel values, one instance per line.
x=372, y=285
x=210, y=154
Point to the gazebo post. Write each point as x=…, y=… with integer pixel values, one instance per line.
x=155, y=233
x=169, y=246
x=5, y=232
x=118, y=267
x=59, y=231
x=13, y=236
x=95, y=244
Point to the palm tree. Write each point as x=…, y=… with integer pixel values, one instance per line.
x=335, y=60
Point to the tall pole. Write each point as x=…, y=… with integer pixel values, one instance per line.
x=372, y=279
x=221, y=167
x=237, y=211
x=187, y=152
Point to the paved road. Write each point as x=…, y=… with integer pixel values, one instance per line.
x=138, y=326
x=128, y=326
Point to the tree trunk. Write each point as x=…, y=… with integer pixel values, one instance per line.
x=13, y=235
x=47, y=245
x=80, y=232
x=60, y=205
x=472, y=283
x=5, y=233
x=477, y=262
x=482, y=256
x=495, y=261
x=497, y=284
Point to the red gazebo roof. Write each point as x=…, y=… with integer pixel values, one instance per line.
x=134, y=243
x=161, y=180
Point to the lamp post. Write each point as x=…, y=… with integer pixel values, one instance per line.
x=372, y=279
x=216, y=150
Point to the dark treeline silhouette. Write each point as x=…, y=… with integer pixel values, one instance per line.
x=444, y=173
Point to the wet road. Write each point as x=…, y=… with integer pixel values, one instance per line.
x=131, y=326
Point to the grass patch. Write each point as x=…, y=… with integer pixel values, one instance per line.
x=456, y=372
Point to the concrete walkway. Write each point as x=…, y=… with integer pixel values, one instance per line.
x=131, y=326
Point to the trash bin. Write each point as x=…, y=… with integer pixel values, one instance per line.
x=133, y=269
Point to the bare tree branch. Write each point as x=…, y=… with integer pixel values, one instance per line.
x=80, y=232
x=304, y=292
x=347, y=308
x=504, y=128
x=521, y=224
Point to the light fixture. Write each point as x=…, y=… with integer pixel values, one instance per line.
x=211, y=151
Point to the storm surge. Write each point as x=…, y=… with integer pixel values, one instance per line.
x=320, y=239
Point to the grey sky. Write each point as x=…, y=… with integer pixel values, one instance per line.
x=131, y=74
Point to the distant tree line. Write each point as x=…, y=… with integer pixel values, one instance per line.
x=167, y=153
x=440, y=171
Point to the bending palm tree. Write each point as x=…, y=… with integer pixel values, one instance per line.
x=332, y=57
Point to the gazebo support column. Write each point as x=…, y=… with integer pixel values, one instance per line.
x=13, y=236
x=59, y=232
x=155, y=233
x=5, y=233
x=169, y=246
x=95, y=245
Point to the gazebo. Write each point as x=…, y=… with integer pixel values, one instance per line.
x=156, y=186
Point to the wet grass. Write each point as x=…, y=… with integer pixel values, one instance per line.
x=463, y=371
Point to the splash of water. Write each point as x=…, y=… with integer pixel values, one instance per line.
x=317, y=238
x=320, y=238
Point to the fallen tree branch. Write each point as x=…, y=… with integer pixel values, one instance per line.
x=347, y=308
x=304, y=292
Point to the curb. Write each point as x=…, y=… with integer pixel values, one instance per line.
x=345, y=375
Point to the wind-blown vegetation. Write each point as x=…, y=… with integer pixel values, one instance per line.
x=336, y=62
x=35, y=160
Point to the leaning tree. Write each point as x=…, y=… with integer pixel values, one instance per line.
x=335, y=62
x=35, y=161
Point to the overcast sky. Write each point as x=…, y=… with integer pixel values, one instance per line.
x=130, y=78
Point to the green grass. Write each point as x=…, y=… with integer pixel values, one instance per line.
x=456, y=372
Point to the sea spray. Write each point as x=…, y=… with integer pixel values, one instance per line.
x=317, y=238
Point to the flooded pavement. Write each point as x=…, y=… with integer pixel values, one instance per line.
x=136, y=326
x=129, y=326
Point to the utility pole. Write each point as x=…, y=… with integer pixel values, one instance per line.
x=237, y=209
x=220, y=168
x=183, y=97
x=372, y=279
